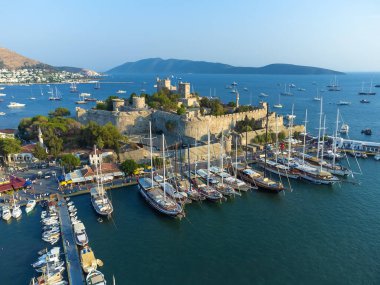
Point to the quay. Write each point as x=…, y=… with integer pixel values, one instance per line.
x=73, y=265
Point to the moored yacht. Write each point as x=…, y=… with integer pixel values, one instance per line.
x=30, y=206
x=99, y=198
x=15, y=105
x=87, y=259
x=81, y=237
x=154, y=195
x=6, y=213
x=95, y=277
x=16, y=211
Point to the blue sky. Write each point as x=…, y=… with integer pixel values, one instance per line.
x=100, y=34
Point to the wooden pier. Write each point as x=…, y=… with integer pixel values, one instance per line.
x=74, y=268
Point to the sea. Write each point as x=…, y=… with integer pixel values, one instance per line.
x=310, y=234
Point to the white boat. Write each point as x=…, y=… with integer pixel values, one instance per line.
x=99, y=198
x=344, y=129
x=6, y=213
x=290, y=117
x=85, y=94
x=80, y=234
x=30, y=206
x=279, y=104
x=342, y=103
x=95, y=277
x=16, y=211
x=262, y=94
x=121, y=91
x=377, y=156
x=2, y=88
x=317, y=98
x=3, y=94
x=15, y=105
x=287, y=91
x=2, y=114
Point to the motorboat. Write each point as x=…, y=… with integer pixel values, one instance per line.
x=6, y=213
x=16, y=211
x=81, y=237
x=344, y=129
x=30, y=206
x=367, y=132
x=343, y=103
x=121, y=91
x=95, y=277
x=365, y=101
x=2, y=114
x=15, y=105
x=88, y=260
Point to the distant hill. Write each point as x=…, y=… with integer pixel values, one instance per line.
x=12, y=60
x=158, y=65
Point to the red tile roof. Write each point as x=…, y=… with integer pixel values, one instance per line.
x=15, y=183
x=28, y=148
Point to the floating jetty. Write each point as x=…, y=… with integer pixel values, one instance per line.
x=74, y=268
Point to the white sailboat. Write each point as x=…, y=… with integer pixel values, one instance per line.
x=99, y=198
x=279, y=103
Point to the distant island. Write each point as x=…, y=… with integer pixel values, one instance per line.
x=165, y=66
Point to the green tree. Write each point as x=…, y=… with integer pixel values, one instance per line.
x=9, y=146
x=181, y=110
x=40, y=152
x=70, y=161
x=128, y=166
x=99, y=142
x=55, y=145
x=60, y=112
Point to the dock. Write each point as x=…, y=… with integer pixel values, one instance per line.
x=73, y=265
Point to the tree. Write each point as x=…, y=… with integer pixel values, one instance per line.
x=9, y=146
x=39, y=152
x=181, y=110
x=129, y=166
x=99, y=142
x=60, y=112
x=70, y=161
x=55, y=145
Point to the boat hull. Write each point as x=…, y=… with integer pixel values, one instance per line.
x=155, y=206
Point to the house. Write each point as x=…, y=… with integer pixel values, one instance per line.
x=7, y=133
x=25, y=155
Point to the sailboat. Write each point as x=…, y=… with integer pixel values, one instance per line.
x=73, y=88
x=279, y=104
x=55, y=96
x=275, y=166
x=99, y=198
x=154, y=195
x=97, y=85
x=81, y=99
x=312, y=173
x=369, y=92
x=249, y=175
x=333, y=86
x=287, y=91
x=317, y=98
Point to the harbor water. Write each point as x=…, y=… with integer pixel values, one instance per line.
x=311, y=235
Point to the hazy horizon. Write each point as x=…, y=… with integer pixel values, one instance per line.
x=338, y=35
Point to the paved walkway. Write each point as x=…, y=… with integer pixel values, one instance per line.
x=74, y=269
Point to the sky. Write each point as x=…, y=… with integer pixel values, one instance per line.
x=101, y=34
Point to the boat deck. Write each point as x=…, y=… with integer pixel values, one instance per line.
x=74, y=269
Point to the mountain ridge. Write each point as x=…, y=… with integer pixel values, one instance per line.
x=159, y=65
x=12, y=60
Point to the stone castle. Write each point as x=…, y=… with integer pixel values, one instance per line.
x=134, y=119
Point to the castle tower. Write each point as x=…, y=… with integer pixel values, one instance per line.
x=40, y=139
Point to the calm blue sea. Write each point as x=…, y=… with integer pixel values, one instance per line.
x=313, y=235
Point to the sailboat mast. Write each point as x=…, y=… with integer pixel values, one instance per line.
x=266, y=142
x=208, y=156
x=96, y=168
x=236, y=141
x=319, y=129
x=163, y=161
x=290, y=134
x=151, y=151
x=323, y=139
x=221, y=156
x=335, y=136
x=276, y=153
x=188, y=159
x=304, y=139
